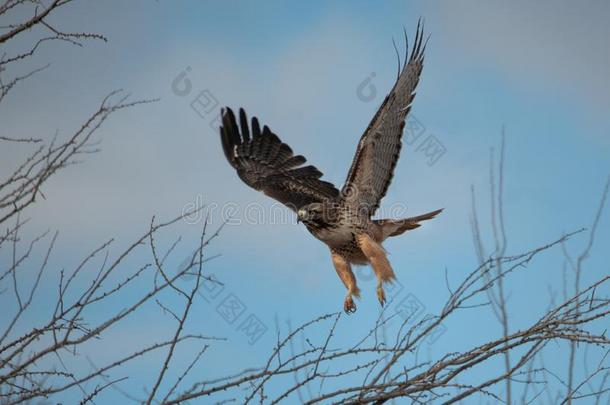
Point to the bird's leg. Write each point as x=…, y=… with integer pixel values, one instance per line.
x=344, y=270
x=376, y=255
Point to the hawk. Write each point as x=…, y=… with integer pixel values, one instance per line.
x=340, y=219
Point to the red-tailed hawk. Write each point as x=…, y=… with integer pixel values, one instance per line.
x=341, y=219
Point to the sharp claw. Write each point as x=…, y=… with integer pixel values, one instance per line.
x=348, y=306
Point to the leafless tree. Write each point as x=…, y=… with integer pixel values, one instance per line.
x=306, y=365
x=29, y=357
x=384, y=371
x=387, y=371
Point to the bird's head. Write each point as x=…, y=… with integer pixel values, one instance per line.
x=310, y=213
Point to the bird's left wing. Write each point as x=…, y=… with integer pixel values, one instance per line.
x=379, y=147
x=266, y=164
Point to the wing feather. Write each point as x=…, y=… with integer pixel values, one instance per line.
x=267, y=164
x=373, y=166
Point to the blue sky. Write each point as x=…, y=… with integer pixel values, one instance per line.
x=538, y=69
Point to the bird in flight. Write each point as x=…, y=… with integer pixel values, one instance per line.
x=340, y=219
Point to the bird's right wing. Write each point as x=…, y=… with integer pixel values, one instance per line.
x=266, y=164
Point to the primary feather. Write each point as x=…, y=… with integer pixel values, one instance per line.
x=267, y=164
x=379, y=148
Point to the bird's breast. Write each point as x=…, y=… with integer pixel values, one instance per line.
x=334, y=237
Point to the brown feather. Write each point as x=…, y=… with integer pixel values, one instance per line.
x=266, y=164
x=378, y=151
x=395, y=227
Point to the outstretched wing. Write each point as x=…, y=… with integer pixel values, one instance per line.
x=379, y=148
x=266, y=164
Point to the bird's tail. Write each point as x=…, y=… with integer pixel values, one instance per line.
x=395, y=227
